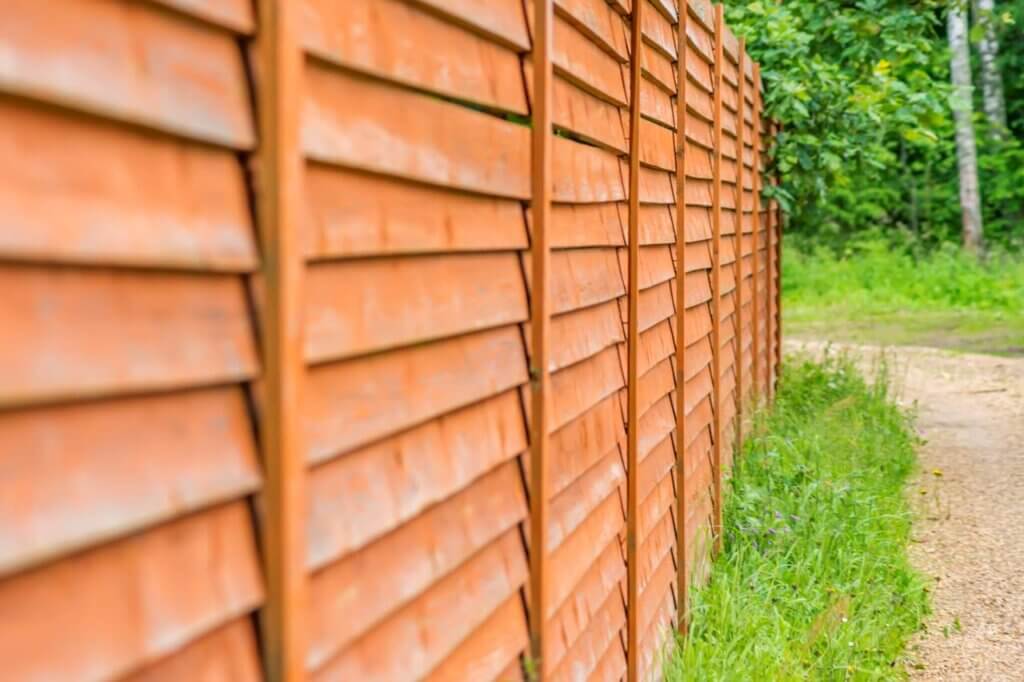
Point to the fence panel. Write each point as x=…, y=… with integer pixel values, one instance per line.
x=127, y=546
x=414, y=306
x=584, y=616
x=338, y=346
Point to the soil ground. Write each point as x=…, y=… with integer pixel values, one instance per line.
x=969, y=537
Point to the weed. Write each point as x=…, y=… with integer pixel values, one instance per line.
x=814, y=581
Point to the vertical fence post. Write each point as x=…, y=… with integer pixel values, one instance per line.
x=770, y=268
x=741, y=80
x=756, y=292
x=633, y=349
x=540, y=321
x=777, y=282
x=716, y=283
x=682, y=554
x=279, y=177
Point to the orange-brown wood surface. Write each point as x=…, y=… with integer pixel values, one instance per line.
x=372, y=340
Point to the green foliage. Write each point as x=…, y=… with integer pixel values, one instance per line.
x=862, y=89
x=814, y=581
x=849, y=81
x=1011, y=30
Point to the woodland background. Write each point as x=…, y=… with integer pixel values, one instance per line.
x=868, y=150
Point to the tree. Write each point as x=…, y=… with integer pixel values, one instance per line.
x=851, y=82
x=963, y=114
x=993, y=99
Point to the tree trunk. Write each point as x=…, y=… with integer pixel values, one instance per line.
x=963, y=114
x=991, y=79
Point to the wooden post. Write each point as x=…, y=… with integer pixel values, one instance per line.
x=770, y=266
x=279, y=193
x=777, y=288
x=682, y=553
x=540, y=321
x=633, y=349
x=756, y=291
x=716, y=283
x=737, y=241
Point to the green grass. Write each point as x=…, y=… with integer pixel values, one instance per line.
x=814, y=581
x=880, y=292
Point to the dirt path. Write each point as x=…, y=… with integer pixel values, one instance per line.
x=970, y=497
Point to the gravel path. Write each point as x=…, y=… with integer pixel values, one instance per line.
x=970, y=498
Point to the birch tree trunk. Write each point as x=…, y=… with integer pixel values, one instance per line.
x=963, y=114
x=991, y=79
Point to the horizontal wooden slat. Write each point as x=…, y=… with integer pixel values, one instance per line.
x=577, y=554
x=582, y=386
x=380, y=578
x=581, y=278
x=502, y=20
x=655, y=426
x=584, y=62
x=656, y=546
x=656, y=304
x=657, y=225
x=585, y=175
x=582, y=442
x=655, y=265
x=74, y=333
x=400, y=477
x=602, y=579
x=78, y=474
x=419, y=637
x=601, y=634
x=656, y=384
x=81, y=190
x=657, y=186
x=659, y=31
x=347, y=213
x=578, y=335
x=353, y=121
x=583, y=225
x=404, y=43
x=227, y=654
x=656, y=104
x=121, y=606
x=657, y=146
x=656, y=344
x=612, y=667
x=352, y=403
x=234, y=15
x=596, y=20
x=658, y=68
x=574, y=504
x=655, y=506
x=131, y=61
x=583, y=114
x=368, y=305
x=491, y=649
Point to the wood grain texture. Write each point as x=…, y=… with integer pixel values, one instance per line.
x=633, y=349
x=124, y=605
x=283, y=389
x=71, y=334
x=130, y=61
x=429, y=52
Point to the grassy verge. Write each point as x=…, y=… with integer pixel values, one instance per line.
x=814, y=581
x=879, y=292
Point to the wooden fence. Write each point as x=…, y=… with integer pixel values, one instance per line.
x=318, y=361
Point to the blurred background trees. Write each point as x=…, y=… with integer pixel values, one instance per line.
x=864, y=91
